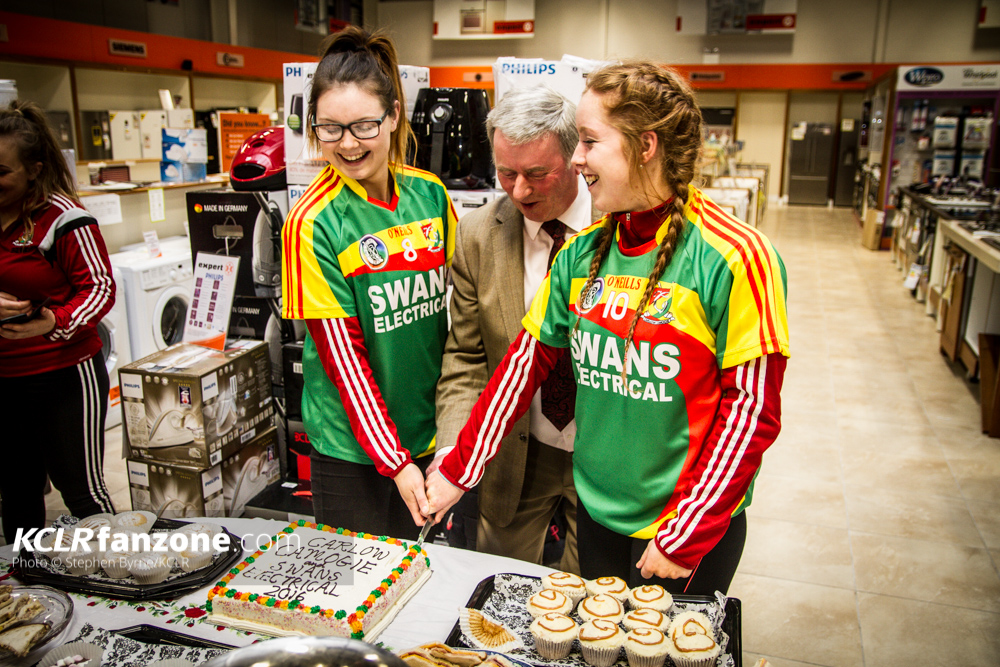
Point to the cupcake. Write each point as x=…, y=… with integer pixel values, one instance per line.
x=190, y=559
x=650, y=597
x=601, y=642
x=56, y=545
x=645, y=647
x=570, y=585
x=548, y=600
x=691, y=640
x=82, y=560
x=115, y=561
x=149, y=568
x=646, y=618
x=96, y=522
x=139, y=521
x=554, y=634
x=613, y=586
x=601, y=607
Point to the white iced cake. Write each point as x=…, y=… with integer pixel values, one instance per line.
x=316, y=580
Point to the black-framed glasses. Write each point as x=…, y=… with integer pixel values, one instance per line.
x=361, y=129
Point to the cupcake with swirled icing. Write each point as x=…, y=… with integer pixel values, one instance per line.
x=650, y=597
x=570, y=585
x=613, y=586
x=548, y=600
x=691, y=640
x=601, y=642
x=645, y=647
x=646, y=618
x=554, y=634
x=601, y=607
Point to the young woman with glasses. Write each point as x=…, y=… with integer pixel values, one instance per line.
x=366, y=256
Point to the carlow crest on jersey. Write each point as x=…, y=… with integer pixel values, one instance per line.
x=374, y=252
x=592, y=297
x=435, y=242
x=658, y=309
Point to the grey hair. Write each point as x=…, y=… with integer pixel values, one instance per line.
x=526, y=114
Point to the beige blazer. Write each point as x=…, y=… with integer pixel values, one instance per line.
x=487, y=306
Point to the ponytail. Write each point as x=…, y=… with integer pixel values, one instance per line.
x=26, y=124
x=368, y=60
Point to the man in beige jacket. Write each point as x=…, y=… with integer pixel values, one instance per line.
x=502, y=253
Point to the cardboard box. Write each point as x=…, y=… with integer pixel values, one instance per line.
x=871, y=233
x=195, y=406
x=182, y=172
x=126, y=137
x=178, y=491
x=302, y=163
x=184, y=145
x=414, y=79
x=180, y=118
x=226, y=222
x=151, y=122
x=567, y=76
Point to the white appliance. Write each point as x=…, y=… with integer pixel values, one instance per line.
x=113, y=330
x=157, y=294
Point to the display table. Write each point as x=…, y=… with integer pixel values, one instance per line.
x=429, y=616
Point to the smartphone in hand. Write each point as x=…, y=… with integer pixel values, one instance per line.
x=26, y=317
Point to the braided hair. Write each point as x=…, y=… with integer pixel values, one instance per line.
x=26, y=124
x=369, y=60
x=640, y=97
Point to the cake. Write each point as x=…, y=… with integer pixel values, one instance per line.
x=601, y=642
x=312, y=579
x=650, y=597
x=645, y=647
x=601, y=606
x=691, y=640
x=546, y=601
x=646, y=618
x=570, y=585
x=554, y=634
x=613, y=586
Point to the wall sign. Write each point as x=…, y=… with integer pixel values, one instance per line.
x=949, y=77
x=124, y=47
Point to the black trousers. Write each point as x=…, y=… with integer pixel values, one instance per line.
x=605, y=553
x=355, y=496
x=55, y=427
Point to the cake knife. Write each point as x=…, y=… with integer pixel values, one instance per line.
x=425, y=531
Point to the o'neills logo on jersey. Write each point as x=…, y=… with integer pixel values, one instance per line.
x=434, y=240
x=658, y=310
x=374, y=252
x=592, y=297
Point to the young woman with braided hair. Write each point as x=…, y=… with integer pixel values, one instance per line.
x=674, y=314
x=52, y=375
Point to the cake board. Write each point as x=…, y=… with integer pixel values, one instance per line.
x=369, y=637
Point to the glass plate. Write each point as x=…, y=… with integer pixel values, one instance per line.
x=58, y=612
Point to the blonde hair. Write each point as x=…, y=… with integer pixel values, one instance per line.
x=26, y=124
x=369, y=60
x=641, y=97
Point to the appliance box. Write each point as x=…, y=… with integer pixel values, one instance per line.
x=126, y=137
x=177, y=491
x=182, y=145
x=151, y=122
x=192, y=405
x=414, y=79
x=182, y=172
x=180, y=118
x=567, y=76
x=226, y=222
x=301, y=162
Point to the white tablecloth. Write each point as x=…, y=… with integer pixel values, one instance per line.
x=429, y=616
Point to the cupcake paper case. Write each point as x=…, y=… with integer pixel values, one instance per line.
x=645, y=647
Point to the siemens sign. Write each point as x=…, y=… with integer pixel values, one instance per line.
x=924, y=76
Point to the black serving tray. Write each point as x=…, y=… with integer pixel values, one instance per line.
x=732, y=624
x=149, y=634
x=27, y=571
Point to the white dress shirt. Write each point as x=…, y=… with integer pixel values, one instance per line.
x=537, y=245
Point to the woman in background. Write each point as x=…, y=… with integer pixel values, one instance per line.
x=53, y=380
x=674, y=314
x=366, y=256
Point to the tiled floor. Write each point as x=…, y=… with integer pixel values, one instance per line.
x=874, y=536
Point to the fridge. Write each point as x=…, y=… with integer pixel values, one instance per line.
x=95, y=144
x=847, y=162
x=810, y=162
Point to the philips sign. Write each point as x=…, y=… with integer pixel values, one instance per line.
x=924, y=76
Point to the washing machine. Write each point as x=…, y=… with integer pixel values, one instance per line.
x=157, y=294
x=115, y=347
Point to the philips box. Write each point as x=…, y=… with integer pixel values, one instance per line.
x=193, y=405
x=184, y=145
x=175, y=491
x=567, y=76
x=249, y=471
x=414, y=79
x=302, y=163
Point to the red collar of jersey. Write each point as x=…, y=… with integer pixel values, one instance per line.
x=637, y=229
